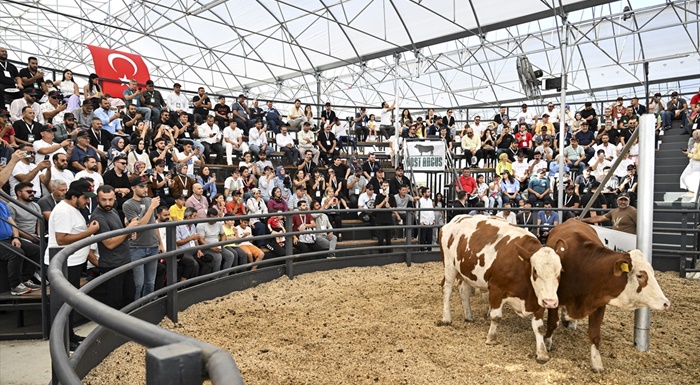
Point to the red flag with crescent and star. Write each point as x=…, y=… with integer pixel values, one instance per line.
x=118, y=67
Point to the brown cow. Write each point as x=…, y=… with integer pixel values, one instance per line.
x=595, y=276
x=489, y=253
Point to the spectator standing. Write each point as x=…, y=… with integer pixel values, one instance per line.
x=114, y=252
x=146, y=242
x=66, y=226
x=426, y=218
x=385, y=201
x=623, y=218
x=547, y=218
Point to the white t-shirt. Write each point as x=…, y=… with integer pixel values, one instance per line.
x=178, y=102
x=23, y=168
x=205, y=132
x=284, y=140
x=40, y=144
x=48, y=107
x=520, y=169
x=340, y=130
x=240, y=233
x=536, y=168
x=190, y=163
x=478, y=129
x=96, y=177
x=233, y=184
x=232, y=134
x=386, y=117
x=65, y=175
x=66, y=219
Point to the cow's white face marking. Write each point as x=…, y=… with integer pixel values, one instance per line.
x=642, y=288
x=545, y=274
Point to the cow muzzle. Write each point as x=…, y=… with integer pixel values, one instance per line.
x=550, y=303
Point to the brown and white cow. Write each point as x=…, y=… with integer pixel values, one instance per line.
x=490, y=254
x=595, y=276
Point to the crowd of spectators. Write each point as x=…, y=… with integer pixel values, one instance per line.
x=109, y=162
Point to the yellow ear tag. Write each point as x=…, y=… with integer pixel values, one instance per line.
x=521, y=258
x=625, y=267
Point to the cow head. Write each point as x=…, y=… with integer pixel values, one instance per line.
x=545, y=269
x=642, y=288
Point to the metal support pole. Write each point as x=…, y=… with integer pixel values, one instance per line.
x=288, y=246
x=175, y=364
x=562, y=116
x=318, y=98
x=171, y=305
x=409, y=236
x=645, y=217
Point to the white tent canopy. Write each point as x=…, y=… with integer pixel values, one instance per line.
x=450, y=53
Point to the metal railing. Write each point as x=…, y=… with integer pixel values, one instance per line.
x=45, y=320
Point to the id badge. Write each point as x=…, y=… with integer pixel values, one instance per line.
x=165, y=168
x=30, y=138
x=177, y=105
x=357, y=191
x=153, y=100
x=185, y=192
x=323, y=227
x=328, y=143
x=187, y=134
x=133, y=101
x=318, y=194
x=7, y=74
x=100, y=147
x=166, y=190
x=371, y=174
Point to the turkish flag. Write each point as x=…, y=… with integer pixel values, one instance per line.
x=116, y=68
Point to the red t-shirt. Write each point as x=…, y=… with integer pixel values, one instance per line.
x=524, y=141
x=694, y=100
x=230, y=206
x=10, y=132
x=467, y=184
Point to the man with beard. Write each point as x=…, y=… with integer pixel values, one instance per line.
x=66, y=129
x=222, y=112
x=58, y=190
x=119, y=180
x=385, y=200
x=202, y=105
x=130, y=118
x=27, y=129
x=15, y=243
x=66, y=226
x=546, y=218
x=81, y=150
x=110, y=119
x=25, y=171
x=210, y=137
x=623, y=218
x=146, y=243
x=114, y=252
x=134, y=95
x=33, y=78
x=91, y=170
x=84, y=115
x=60, y=169
x=9, y=78
x=153, y=99
x=399, y=180
x=162, y=152
x=100, y=139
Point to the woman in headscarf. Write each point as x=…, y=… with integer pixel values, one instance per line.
x=137, y=152
x=283, y=182
x=276, y=203
x=116, y=148
x=503, y=164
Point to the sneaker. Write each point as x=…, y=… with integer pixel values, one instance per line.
x=473, y=160
x=32, y=285
x=20, y=289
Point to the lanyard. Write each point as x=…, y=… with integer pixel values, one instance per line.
x=527, y=220
x=98, y=137
x=184, y=183
x=29, y=127
x=566, y=201
x=4, y=66
x=547, y=218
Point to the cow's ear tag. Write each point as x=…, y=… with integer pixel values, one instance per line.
x=625, y=267
x=521, y=258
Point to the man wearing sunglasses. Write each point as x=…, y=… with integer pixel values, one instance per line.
x=27, y=172
x=53, y=109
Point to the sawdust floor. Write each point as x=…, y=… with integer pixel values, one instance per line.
x=377, y=325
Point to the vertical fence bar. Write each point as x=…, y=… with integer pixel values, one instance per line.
x=56, y=303
x=409, y=236
x=174, y=364
x=684, y=244
x=288, y=246
x=171, y=304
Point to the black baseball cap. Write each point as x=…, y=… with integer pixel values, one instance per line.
x=83, y=134
x=83, y=187
x=30, y=91
x=623, y=195
x=47, y=128
x=87, y=102
x=177, y=85
x=54, y=94
x=68, y=115
x=139, y=181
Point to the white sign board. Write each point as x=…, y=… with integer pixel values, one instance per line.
x=425, y=155
x=616, y=240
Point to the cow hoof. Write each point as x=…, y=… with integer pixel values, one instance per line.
x=443, y=323
x=470, y=320
x=491, y=341
x=597, y=370
x=548, y=344
x=542, y=360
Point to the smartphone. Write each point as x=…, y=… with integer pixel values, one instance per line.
x=149, y=171
x=3, y=161
x=47, y=157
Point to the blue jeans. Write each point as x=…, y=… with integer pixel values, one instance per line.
x=144, y=275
